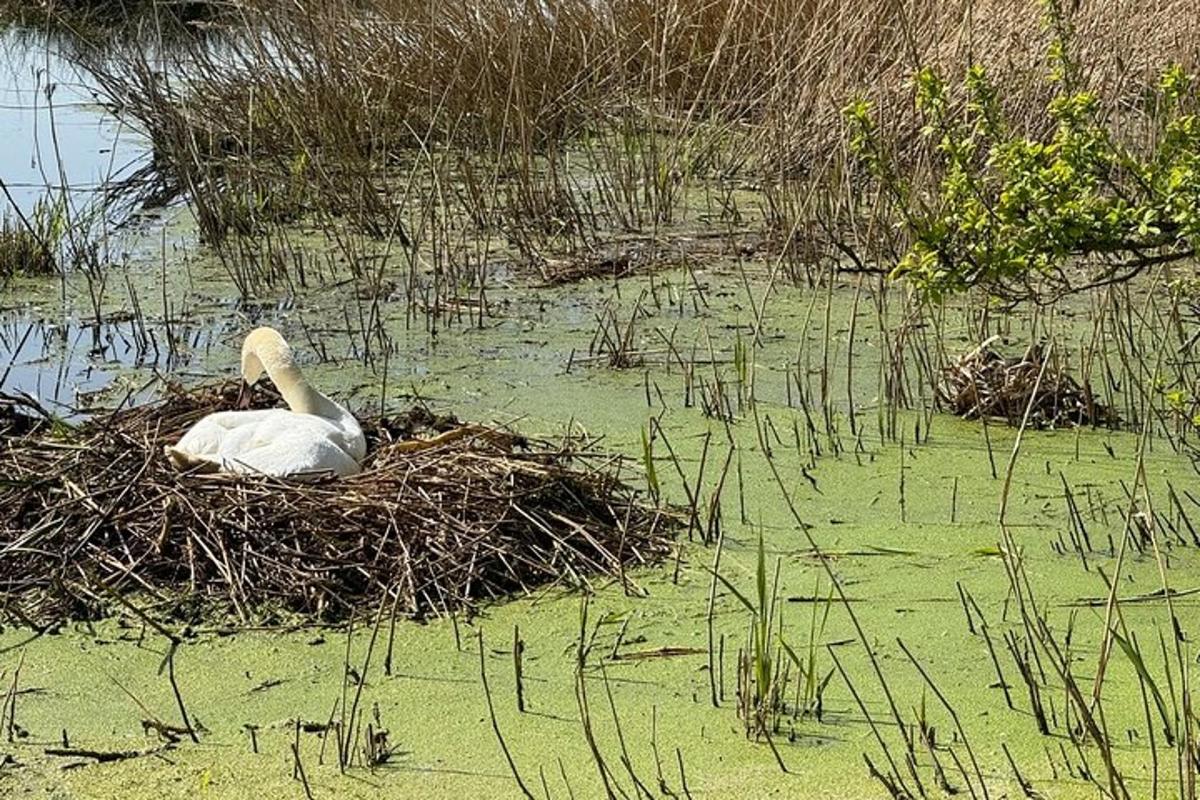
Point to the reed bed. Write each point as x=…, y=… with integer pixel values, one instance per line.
x=431, y=525
x=384, y=76
x=99, y=17
x=467, y=132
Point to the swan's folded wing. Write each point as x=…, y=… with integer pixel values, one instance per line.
x=271, y=442
x=213, y=433
x=297, y=453
x=202, y=439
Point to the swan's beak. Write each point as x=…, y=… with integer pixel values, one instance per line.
x=243, y=398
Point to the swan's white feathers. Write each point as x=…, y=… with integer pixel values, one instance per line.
x=277, y=442
x=272, y=442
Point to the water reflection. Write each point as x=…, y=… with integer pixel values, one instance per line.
x=64, y=365
x=54, y=135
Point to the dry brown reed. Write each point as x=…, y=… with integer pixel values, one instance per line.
x=97, y=509
x=379, y=76
x=986, y=384
x=545, y=123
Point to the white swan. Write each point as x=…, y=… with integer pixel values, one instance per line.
x=315, y=435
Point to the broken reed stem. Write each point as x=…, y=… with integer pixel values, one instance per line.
x=1012, y=460
x=658, y=770
x=987, y=638
x=962, y=599
x=352, y=725
x=987, y=440
x=187, y=722
x=487, y=693
x=518, y=667
x=625, y=759
x=845, y=602
x=953, y=715
x=682, y=774
x=342, y=733
x=296, y=748
x=954, y=502
x=581, y=700
x=1026, y=787
x=8, y=714
x=862, y=706
x=715, y=692
x=300, y=771
x=173, y=643
x=387, y=659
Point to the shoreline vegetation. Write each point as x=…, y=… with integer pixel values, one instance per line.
x=892, y=304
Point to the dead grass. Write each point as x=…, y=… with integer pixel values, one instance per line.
x=537, y=131
x=380, y=77
x=985, y=383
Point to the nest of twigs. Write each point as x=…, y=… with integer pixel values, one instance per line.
x=985, y=383
x=97, y=511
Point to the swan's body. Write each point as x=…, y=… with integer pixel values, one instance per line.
x=313, y=435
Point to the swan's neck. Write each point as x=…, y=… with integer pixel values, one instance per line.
x=297, y=393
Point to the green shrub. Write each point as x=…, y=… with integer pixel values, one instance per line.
x=1011, y=213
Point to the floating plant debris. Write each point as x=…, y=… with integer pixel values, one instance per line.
x=984, y=383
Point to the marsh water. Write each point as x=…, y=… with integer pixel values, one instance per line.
x=54, y=135
x=58, y=145
x=906, y=520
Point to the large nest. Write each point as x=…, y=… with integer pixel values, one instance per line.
x=90, y=512
x=984, y=383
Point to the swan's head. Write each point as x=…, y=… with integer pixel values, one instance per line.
x=263, y=346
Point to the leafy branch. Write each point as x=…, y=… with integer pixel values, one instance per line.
x=1015, y=214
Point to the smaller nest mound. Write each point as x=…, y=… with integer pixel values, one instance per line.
x=984, y=383
x=460, y=515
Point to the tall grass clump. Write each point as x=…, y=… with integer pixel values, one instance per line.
x=769, y=666
x=30, y=245
x=582, y=116
x=21, y=253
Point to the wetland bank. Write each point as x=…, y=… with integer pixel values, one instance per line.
x=666, y=233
